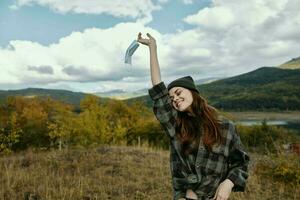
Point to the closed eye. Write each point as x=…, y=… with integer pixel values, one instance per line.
x=177, y=93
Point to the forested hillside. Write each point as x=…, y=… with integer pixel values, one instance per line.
x=60, y=95
x=45, y=123
x=267, y=88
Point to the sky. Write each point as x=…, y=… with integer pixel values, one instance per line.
x=80, y=45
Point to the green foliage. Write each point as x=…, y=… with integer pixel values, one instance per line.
x=24, y=122
x=263, y=89
x=10, y=134
x=60, y=124
x=73, y=98
x=264, y=138
x=149, y=132
x=46, y=123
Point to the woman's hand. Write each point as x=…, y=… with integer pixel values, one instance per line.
x=151, y=42
x=224, y=190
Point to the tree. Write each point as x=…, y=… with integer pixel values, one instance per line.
x=10, y=134
x=61, y=124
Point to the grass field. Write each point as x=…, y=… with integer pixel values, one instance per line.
x=111, y=172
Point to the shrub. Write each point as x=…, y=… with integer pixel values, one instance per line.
x=265, y=138
x=281, y=167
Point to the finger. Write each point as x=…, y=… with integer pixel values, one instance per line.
x=216, y=194
x=139, y=36
x=219, y=197
x=149, y=35
x=143, y=41
x=215, y=197
x=222, y=198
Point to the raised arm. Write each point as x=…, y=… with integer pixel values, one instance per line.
x=162, y=104
x=154, y=65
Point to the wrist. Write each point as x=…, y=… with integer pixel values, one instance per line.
x=152, y=46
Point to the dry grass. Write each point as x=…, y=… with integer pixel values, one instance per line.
x=109, y=173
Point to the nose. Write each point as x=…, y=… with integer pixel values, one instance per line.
x=175, y=98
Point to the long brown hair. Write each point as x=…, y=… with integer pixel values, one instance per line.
x=205, y=123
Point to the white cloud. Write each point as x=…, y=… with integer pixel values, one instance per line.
x=217, y=18
x=243, y=35
x=228, y=38
x=137, y=9
x=90, y=56
x=227, y=13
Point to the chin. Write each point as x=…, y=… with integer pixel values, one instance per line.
x=183, y=109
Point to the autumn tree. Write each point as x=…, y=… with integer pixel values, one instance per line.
x=10, y=134
x=91, y=122
x=61, y=124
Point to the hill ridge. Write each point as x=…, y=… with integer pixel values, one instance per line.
x=266, y=88
x=294, y=63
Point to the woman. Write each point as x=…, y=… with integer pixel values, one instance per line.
x=206, y=158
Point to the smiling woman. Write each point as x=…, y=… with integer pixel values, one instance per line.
x=206, y=158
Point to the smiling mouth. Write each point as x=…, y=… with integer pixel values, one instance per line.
x=179, y=103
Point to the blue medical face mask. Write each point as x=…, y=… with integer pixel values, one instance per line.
x=130, y=50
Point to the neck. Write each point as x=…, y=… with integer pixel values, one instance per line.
x=190, y=112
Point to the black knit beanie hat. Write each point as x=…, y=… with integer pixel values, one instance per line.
x=186, y=82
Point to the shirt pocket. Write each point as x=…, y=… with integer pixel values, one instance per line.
x=221, y=150
x=215, y=161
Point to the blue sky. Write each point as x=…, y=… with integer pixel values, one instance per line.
x=40, y=24
x=80, y=45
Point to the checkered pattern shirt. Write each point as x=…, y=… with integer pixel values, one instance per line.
x=224, y=161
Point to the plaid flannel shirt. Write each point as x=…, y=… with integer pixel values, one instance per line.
x=226, y=160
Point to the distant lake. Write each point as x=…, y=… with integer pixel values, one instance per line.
x=259, y=122
x=292, y=125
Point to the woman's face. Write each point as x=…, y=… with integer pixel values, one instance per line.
x=182, y=98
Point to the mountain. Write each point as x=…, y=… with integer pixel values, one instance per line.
x=121, y=94
x=61, y=95
x=266, y=88
x=292, y=64
x=75, y=97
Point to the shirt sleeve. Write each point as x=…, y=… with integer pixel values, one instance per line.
x=178, y=194
x=162, y=108
x=238, y=162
